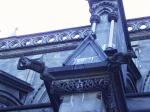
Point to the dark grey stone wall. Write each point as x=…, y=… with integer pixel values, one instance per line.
x=39, y=94
x=142, y=49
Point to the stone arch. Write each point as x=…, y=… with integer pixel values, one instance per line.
x=40, y=95
x=146, y=82
x=131, y=85
x=104, y=7
x=104, y=10
x=7, y=99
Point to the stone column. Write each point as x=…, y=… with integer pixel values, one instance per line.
x=94, y=21
x=102, y=8
x=111, y=30
x=105, y=11
x=112, y=18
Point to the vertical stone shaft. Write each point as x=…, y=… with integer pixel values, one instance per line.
x=94, y=21
x=93, y=27
x=112, y=18
x=110, y=39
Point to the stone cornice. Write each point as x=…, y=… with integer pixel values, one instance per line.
x=44, y=38
x=65, y=39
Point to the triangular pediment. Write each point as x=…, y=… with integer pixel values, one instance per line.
x=87, y=52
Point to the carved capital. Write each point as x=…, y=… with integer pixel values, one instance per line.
x=112, y=16
x=94, y=18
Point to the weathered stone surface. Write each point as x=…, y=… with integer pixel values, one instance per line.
x=58, y=40
x=86, y=102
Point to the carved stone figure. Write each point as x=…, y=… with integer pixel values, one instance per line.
x=26, y=63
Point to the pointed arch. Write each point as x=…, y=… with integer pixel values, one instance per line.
x=146, y=83
x=8, y=99
x=104, y=7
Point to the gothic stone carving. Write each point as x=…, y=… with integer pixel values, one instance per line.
x=101, y=84
x=138, y=24
x=45, y=38
x=99, y=7
x=26, y=63
x=79, y=85
x=53, y=41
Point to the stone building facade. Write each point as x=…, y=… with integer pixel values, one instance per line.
x=25, y=87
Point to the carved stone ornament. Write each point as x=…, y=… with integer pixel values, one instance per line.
x=113, y=16
x=98, y=7
x=38, y=39
x=54, y=41
x=33, y=64
x=95, y=18
x=79, y=85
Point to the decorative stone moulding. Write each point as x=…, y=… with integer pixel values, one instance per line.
x=139, y=24
x=79, y=85
x=43, y=38
x=61, y=36
x=100, y=7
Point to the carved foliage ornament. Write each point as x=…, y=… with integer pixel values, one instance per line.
x=79, y=85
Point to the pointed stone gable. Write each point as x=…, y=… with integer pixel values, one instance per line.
x=87, y=52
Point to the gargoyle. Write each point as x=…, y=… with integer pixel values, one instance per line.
x=26, y=63
x=120, y=58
